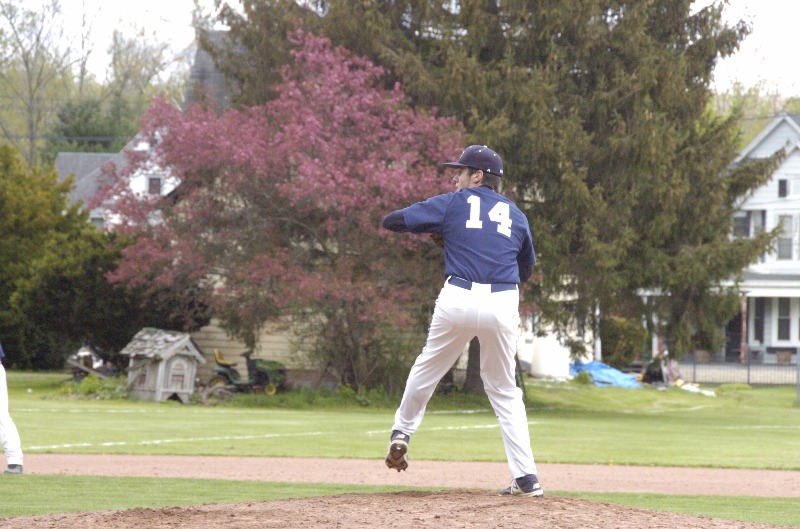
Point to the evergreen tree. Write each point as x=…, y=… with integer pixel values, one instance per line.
x=85, y=126
x=598, y=108
x=54, y=295
x=35, y=212
x=256, y=45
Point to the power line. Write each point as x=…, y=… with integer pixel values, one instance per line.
x=54, y=137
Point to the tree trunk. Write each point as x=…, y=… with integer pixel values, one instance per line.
x=473, y=383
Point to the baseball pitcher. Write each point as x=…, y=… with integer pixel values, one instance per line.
x=488, y=253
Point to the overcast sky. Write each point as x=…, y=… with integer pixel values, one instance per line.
x=168, y=21
x=766, y=57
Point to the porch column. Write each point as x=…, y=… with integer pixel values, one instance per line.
x=598, y=346
x=743, y=337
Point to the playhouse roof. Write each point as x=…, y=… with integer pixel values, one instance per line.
x=150, y=342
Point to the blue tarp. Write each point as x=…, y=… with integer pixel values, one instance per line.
x=604, y=375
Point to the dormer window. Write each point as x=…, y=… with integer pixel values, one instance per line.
x=154, y=185
x=789, y=187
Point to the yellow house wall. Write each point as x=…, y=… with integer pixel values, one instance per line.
x=274, y=344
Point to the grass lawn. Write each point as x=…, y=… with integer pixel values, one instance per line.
x=39, y=494
x=741, y=427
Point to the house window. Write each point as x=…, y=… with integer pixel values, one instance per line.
x=176, y=381
x=741, y=225
x=178, y=374
x=783, y=186
x=793, y=185
x=759, y=219
x=784, y=318
x=785, y=239
x=758, y=320
x=154, y=185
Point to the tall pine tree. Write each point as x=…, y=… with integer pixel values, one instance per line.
x=599, y=110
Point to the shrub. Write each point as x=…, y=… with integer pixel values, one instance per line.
x=584, y=378
x=94, y=387
x=622, y=340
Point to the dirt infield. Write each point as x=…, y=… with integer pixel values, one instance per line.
x=467, y=499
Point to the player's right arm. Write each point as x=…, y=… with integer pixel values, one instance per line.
x=422, y=217
x=395, y=221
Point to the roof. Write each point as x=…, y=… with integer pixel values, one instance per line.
x=795, y=118
x=757, y=274
x=81, y=165
x=762, y=283
x=150, y=343
x=205, y=75
x=784, y=117
x=88, y=167
x=91, y=182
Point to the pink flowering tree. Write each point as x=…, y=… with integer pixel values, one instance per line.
x=278, y=212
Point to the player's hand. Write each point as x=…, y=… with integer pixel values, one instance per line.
x=437, y=239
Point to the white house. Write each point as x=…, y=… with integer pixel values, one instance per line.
x=769, y=323
x=88, y=169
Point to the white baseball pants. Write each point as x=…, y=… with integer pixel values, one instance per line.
x=493, y=317
x=9, y=437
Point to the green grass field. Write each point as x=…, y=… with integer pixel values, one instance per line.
x=570, y=423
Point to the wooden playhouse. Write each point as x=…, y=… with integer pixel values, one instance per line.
x=163, y=365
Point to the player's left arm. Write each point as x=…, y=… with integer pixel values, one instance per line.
x=526, y=258
x=524, y=272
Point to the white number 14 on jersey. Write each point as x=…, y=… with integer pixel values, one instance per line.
x=500, y=214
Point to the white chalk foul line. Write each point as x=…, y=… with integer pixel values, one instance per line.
x=168, y=441
x=453, y=428
x=763, y=427
x=108, y=444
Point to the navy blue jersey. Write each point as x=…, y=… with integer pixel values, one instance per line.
x=486, y=237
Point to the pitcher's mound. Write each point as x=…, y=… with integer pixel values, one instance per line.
x=444, y=509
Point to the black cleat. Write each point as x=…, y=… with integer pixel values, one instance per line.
x=398, y=446
x=524, y=486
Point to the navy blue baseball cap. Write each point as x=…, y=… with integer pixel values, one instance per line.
x=480, y=157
